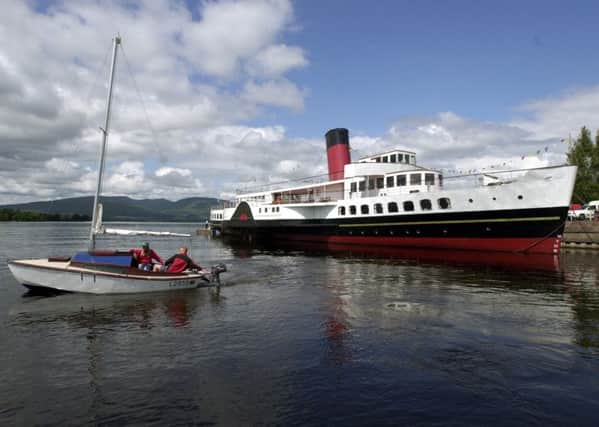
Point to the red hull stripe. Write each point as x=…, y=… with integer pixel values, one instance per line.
x=521, y=244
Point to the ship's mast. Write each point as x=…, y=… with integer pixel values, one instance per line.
x=92, y=237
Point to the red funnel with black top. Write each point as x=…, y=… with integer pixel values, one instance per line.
x=337, y=152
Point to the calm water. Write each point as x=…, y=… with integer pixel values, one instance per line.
x=302, y=337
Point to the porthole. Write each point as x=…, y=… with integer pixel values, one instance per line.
x=408, y=206
x=364, y=209
x=341, y=210
x=470, y=200
x=426, y=205
x=520, y=197
x=494, y=198
x=352, y=210
x=444, y=203
x=392, y=207
x=378, y=208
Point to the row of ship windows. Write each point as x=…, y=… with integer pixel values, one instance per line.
x=395, y=158
x=272, y=209
x=393, y=207
x=399, y=181
x=218, y=216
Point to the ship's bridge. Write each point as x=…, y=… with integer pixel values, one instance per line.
x=394, y=156
x=387, y=173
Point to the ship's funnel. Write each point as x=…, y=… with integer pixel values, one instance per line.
x=337, y=152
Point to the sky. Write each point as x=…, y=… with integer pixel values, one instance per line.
x=216, y=96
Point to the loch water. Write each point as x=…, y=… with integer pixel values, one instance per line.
x=305, y=336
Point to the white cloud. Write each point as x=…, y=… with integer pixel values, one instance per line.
x=280, y=93
x=128, y=178
x=287, y=166
x=453, y=142
x=277, y=60
x=166, y=171
x=231, y=32
x=557, y=117
x=53, y=67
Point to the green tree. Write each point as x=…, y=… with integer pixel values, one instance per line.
x=585, y=154
x=595, y=157
x=17, y=215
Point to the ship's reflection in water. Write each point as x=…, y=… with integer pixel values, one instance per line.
x=571, y=277
x=317, y=334
x=508, y=260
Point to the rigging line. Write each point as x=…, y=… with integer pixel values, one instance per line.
x=152, y=131
x=542, y=239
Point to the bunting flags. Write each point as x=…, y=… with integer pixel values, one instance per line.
x=506, y=164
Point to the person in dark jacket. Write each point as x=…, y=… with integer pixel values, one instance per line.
x=180, y=262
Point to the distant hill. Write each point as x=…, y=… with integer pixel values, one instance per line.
x=193, y=209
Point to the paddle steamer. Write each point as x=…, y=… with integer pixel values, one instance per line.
x=387, y=199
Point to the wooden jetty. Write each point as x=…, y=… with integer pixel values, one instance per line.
x=581, y=235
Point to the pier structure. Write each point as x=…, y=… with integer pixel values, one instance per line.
x=581, y=235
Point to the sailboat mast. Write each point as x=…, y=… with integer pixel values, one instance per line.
x=92, y=236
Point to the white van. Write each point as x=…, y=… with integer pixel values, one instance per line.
x=588, y=211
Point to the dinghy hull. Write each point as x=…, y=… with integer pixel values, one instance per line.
x=61, y=276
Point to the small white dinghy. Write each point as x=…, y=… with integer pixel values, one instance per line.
x=106, y=272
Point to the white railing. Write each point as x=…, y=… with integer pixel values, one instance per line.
x=316, y=179
x=469, y=180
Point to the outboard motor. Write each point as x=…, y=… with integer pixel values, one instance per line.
x=215, y=272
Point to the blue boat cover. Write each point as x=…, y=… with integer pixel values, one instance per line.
x=120, y=259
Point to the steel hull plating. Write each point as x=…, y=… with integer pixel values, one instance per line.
x=526, y=230
x=62, y=277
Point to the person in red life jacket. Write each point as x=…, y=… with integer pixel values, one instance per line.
x=179, y=262
x=144, y=257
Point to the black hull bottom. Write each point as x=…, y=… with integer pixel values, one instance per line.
x=526, y=230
